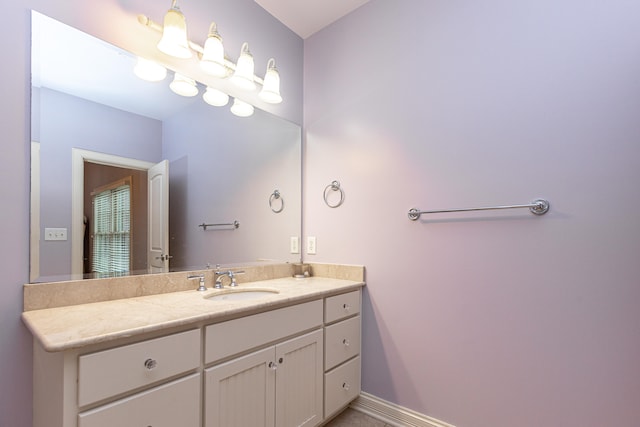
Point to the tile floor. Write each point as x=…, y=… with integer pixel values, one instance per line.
x=351, y=418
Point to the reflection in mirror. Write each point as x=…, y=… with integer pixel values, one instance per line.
x=221, y=168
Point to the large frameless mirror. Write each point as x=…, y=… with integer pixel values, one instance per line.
x=99, y=135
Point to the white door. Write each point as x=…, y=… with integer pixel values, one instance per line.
x=158, y=257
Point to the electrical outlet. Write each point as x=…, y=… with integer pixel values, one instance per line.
x=55, y=234
x=311, y=245
x=294, y=245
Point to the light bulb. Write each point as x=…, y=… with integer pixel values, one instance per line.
x=241, y=108
x=183, y=85
x=215, y=97
x=243, y=76
x=212, y=61
x=271, y=87
x=174, y=41
x=149, y=70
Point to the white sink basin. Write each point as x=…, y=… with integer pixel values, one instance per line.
x=241, y=294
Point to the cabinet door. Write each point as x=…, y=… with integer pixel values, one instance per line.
x=299, y=381
x=241, y=393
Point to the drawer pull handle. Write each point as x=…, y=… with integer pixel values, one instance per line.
x=346, y=307
x=346, y=342
x=273, y=366
x=150, y=364
x=346, y=386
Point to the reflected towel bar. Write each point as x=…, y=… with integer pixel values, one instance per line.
x=234, y=224
x=537, y=207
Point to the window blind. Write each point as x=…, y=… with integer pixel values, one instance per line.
x=112, y=230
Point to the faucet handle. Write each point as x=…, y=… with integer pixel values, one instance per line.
x=201, y=285
x=232, y=275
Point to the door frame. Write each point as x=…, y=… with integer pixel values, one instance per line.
x=78, y=158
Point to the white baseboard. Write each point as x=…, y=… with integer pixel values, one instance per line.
x=393, y=414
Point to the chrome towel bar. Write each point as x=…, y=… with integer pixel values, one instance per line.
x=537, y=207
x=234, y=224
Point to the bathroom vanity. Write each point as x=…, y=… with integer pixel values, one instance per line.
x=290, y=357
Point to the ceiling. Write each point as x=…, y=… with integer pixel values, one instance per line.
x=305, y=17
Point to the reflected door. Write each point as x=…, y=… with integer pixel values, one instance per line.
x=158, y=259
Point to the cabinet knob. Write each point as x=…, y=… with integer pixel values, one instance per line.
x=346, y=307
x=346, y=342
x=280, y=360
x=273, y=366
x=346, y=386
x=150, y=364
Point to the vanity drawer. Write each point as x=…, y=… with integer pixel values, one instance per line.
x=341, y=306
x=342, y=342
x=111, y=372
x=239, y=335
x=169, y=405
x=341, y=386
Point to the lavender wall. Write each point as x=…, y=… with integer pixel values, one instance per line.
x=68, y=122
x=113, y=21
x=223, y=168
x=485, y=319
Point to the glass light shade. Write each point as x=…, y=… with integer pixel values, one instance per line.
x=215, y=97
x=212, y=61
x=183, y=85
x=149, y=70
x=241, y=108
x=271, y=87
x=174, y=39
x=243, y=76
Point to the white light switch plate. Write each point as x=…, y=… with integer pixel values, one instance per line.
x=311, y=245
x=55, y=234
x=295, y=245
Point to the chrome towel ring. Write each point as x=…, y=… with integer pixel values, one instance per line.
x=276, y=196
x=334, y=186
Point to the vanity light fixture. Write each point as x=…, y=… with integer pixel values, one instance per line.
x=149, y=70
x=174, y=41
x=212, y=60
x=241, y=108
x=243, y=76
x=215, y=97
x=271, y=88
x=183, y=85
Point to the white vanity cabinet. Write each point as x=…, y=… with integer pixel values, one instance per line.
x=342, y=351
x=292, y=365
x=280, y=385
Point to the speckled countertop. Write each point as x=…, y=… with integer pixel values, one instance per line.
x=75, y=326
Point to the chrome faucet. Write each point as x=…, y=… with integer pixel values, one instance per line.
x=230, y=274
x=201, y=286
